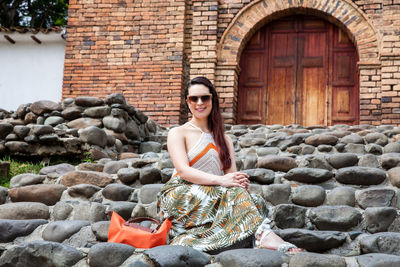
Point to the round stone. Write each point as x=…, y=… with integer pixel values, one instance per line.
x=360, y=175
x=83, y=190
x=277, y=163
x=341, y=195
x=289, y=216
x=117, y=192
x=378, y=219
x=394, y=176
x=340, y=218
x=277, y=193
x=308, y=195
x=308, y=175
x=262, y=176
x=342, y=160
x=128, y=175
x=375, y=197
x=321, y=139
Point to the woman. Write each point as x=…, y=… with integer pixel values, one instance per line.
x=206, y=195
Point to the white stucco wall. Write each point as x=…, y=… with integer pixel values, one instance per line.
x=30, y=71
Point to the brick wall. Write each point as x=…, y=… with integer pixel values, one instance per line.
x=148, y=50
x=131, y=47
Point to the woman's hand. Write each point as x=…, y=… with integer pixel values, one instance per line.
x=239, y=179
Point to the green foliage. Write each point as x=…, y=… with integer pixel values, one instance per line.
x=33, y=13
x=17, y=166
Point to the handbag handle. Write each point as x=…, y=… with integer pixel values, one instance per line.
x=142, y=219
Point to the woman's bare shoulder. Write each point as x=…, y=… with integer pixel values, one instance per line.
x=179, y=131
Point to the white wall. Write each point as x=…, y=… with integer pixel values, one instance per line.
x=30, y=71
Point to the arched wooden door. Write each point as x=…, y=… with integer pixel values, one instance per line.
x=299, y=69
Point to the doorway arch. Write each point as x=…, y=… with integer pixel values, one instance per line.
x=299, y=70
x=342, y=13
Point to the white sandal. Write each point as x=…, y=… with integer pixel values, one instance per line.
x=264, y=230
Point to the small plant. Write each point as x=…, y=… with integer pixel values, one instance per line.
x=88, y=157
x=18, y=166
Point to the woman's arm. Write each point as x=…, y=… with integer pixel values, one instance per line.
x=176, y=149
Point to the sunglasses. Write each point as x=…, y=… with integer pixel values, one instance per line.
x=195, y=98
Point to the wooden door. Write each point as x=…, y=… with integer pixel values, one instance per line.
x=298, y=70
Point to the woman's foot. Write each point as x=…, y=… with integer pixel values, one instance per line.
x=266, y=238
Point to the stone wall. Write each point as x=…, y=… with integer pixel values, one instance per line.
x=331, y=191
x=75, y=126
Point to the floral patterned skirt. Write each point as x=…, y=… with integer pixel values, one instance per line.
x=210, y=218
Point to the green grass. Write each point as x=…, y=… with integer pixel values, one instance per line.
x=20, y=165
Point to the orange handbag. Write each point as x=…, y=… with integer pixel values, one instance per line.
x=120, y=231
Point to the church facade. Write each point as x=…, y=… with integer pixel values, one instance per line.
x=308, y=62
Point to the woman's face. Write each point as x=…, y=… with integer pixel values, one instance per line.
x=199, y=100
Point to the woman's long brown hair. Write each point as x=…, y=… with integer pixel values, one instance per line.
x=215, y=121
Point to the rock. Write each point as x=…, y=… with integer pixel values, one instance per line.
x=113, y=167
x=378, y=260
x=314, y=241
x=86, y=177
x=251, y=258
x=41, y=253
x=340, y=218
x=379, y=219
x=369, y=161
x=316, y=260
x=374, y=149
x=360, y=175
x=24, y=211
x=377, y=138
x=262, y=176
x=18, y=147
x=289, y=216
x=343, y=160
x=90, y=166
x=375, y=197
x=82, y=123
x=113, y=254
x=53, y=120
x=308, y=175
x=138, y=260
x=388, y=243
x=58, y=231
x=341, y=195
x=277, y=193
x=166, y=174
x=123, y=208
x=97, y=112
x=88, y=101
x=118, y=125
x=115, y=98
x=132, y=130
x=58, y=169
x=149, y=175
x=264, y=151
x=354, y=148
x=100, y=230
x=315, y=162
x=394, y=176
x=276, y=163
x=93, y=136
x=177, y=256
x=150, y=146
x=89, y=211
x=148, y=193
x=3, y=195
x=321, y=139
x=250, y=141
x=21, y=131
x=83, y=190
x=390, y=160
x=44, y=106
x=48, y=194
x=30, y=117
x=72, y=113
x=393, y=147
x=5, y=129
x=308, y=195
x=81, y=239
x=249, y=162
x=15, y=228
x=352, y=139
x=128, y=175
x=62, y=210
x=117, y=192
x=26, y=179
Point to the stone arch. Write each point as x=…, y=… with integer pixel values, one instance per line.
x=343, y=13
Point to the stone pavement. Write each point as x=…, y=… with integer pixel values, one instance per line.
x=333, y=191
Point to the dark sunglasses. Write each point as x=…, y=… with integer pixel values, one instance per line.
x=195, y=98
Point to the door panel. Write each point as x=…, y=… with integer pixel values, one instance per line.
x=299, y=69
x=281, y=86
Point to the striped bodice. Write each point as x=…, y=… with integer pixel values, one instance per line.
x=204, y=156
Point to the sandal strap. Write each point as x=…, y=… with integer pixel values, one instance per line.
x=285, y=246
